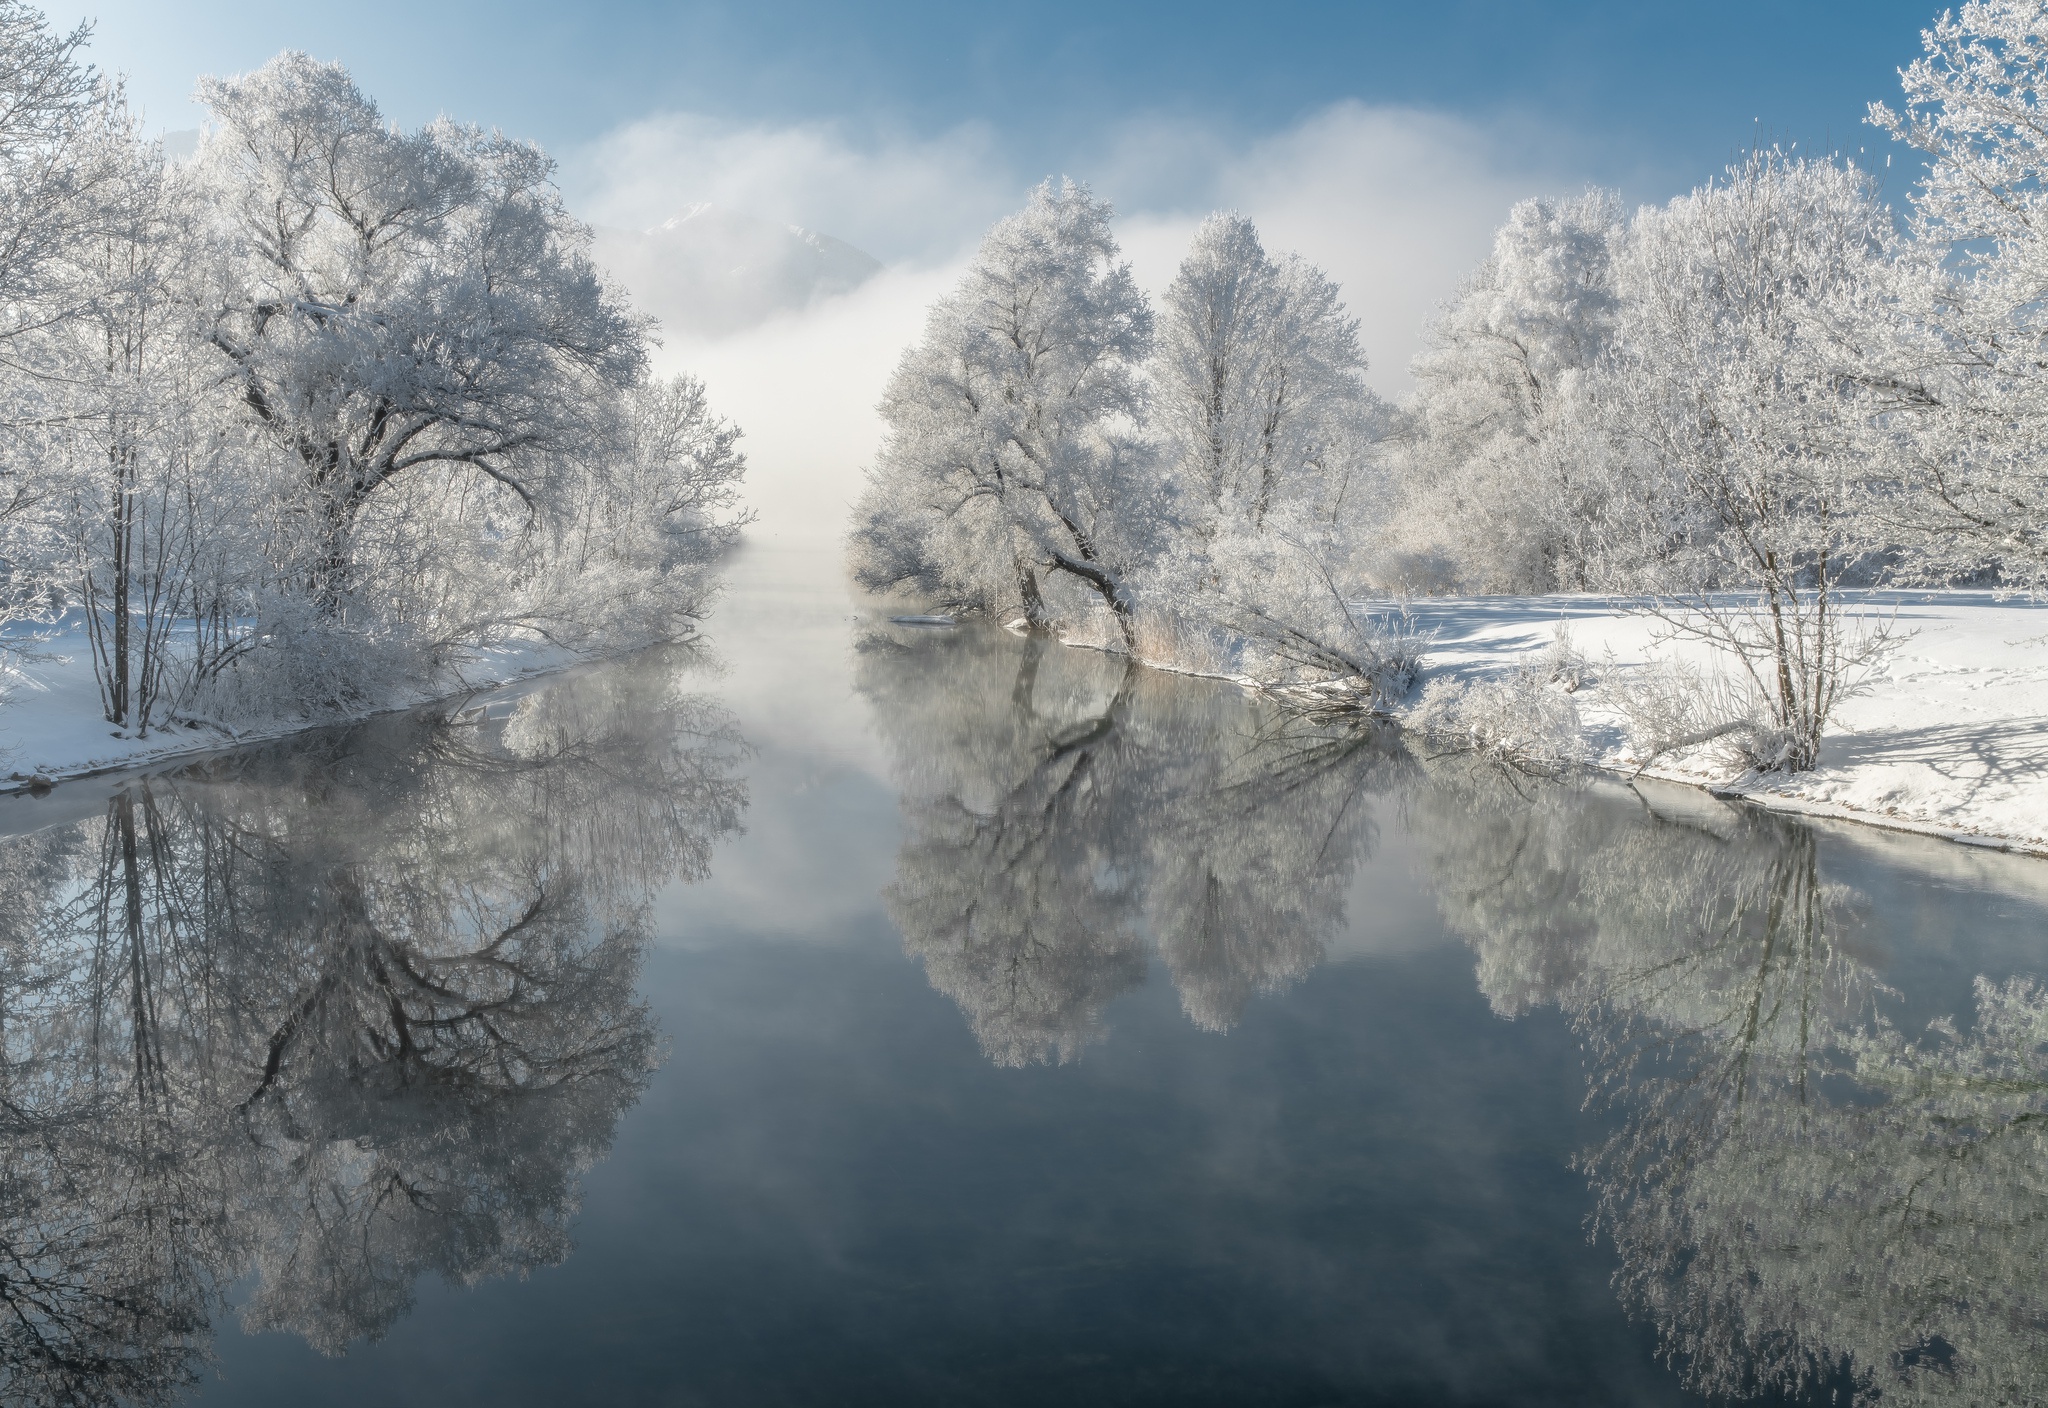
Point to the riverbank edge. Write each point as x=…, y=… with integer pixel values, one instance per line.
x=186, y=751
x=1732, y=790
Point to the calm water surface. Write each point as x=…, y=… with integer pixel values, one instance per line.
x=880, y=1016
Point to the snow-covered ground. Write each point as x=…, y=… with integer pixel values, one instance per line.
x=1950, y=737
x=53, y=726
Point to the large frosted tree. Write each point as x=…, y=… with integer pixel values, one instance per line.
x=1008, y=468
x=52, y=107
x=1751, y=310
x=1972, y=490
x=393, y=305
x=299, y=426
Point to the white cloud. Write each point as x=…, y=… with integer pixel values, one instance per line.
x=804, y=386
x=898, y=198
x=1396, y=204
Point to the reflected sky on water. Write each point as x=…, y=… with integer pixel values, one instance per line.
x=862, y=1014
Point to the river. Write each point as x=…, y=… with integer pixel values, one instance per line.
x=853, y=1013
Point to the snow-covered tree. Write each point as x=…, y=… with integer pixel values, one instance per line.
x=1271, y=442
x=399, y=305
x=660, y=506
x=1751, y=311
x=148, y=485
x=1498, y=487
x=295, y=426
x=1258, y=371
x=52, y=169
x=1008, y=465
x=1211, y=344
x=1972, y=495
x=399, y=302
x=50, y=166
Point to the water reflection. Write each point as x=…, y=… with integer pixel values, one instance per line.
x=296, y=1028
x=328, y=1017
x=1068, y=815
x=1812, y=1196
x=1808, y=1197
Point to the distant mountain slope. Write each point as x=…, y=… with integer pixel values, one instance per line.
x=712, y=271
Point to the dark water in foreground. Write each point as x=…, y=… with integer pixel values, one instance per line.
x=895, y=1017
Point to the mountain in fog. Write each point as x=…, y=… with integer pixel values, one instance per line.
x=711, y=270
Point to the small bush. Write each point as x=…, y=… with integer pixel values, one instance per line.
x=1673, y=707
x=1520, y=718
x=1562, y=664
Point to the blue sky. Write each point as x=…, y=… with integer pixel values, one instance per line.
x=1649, y=96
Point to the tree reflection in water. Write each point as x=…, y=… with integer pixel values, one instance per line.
x=338, y=1013
x=1806, y=1198
x=1068, y=815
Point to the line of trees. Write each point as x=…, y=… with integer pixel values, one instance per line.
x=1058, y=451
x=1738, y=404
x=292, y=426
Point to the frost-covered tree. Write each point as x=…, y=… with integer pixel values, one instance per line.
x=50, y=166
x=1751, y=311
x=1014, y=476
x=1258, y=371
x=1008, y=466
x=1972, y=494
x=149, y=484
x=1210, y=348
x=52, y=169
x=353, y=402
x=394, y=307
x=659, y=506
x=297, y=427
x=398, y=303
x=1271, y=441
x=1499, y=491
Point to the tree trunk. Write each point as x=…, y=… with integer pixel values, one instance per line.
x=1111, y=592
x=1034, y=600
x=1126, y=619
x=329, y=586
x=123, y=566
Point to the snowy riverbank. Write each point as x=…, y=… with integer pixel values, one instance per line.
x=53, y=726
x=1949, y=738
